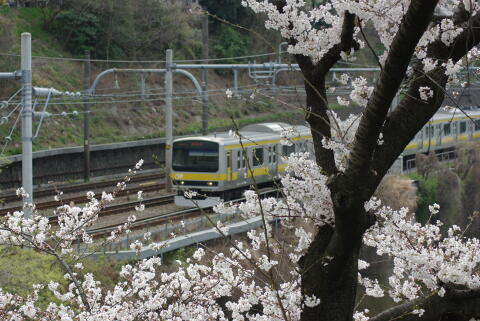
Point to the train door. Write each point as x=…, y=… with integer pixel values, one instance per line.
x=241, y=163
x=454, y=130
x=272, y=160
x=438, y=130
x=229, y=165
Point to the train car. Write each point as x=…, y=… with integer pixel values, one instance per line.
x=440, y=135
x=221, y=166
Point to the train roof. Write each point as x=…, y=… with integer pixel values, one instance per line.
x=254, y=132
x=272, y=130
x=455, y=114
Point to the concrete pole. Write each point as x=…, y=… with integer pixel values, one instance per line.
x=235, y=82
x=27, y=165
x=205, y=76
x=86, y=116
x=168, y=118
x=142, y=85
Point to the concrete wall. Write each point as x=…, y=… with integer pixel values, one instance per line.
x=65, y=164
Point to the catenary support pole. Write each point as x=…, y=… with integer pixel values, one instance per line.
x=168, y=118
x=235, y=83
x=205, y=76
x=86, y=116
x=27, y=165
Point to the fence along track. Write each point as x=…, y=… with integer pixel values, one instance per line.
x=161, y=218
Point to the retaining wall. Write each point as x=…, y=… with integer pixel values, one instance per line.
x=64, y=164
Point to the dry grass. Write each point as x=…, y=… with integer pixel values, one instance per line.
x=397, y=192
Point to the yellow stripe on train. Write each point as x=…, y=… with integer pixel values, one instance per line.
x=198, y=176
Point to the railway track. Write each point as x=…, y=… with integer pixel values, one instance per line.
x=154, y=186
x=82, y=187
x=127, y=207
x=140, y=224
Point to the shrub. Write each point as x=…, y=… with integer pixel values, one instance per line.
x=427, y=195
x=231, y=43
x=79, y=32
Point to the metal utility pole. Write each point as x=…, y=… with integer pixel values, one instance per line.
x=168, y=118
x=86, y=115
x=205, y=76
x=27, y=164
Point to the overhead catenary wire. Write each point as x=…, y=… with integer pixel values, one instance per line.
x=145, y=61
x=175, y=61
x=178, y=95
x=115, y=98
x=110, y=102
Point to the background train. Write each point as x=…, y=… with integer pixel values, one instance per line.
x=440, y=135
x=220, y=166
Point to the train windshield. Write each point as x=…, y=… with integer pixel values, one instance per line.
x=195, y=156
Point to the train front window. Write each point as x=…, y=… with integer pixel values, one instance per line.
x=195, y=156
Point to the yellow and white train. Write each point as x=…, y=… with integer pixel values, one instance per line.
x=440, y=135
x=215, y=166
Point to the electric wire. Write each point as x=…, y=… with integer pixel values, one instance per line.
x=145, y=61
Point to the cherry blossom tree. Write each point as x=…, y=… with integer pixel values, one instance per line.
x=327, y=205
x=426, y=43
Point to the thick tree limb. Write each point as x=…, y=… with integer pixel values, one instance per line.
x=412, y=114
x=317, y=103
x=411, y=29
x=464, y=304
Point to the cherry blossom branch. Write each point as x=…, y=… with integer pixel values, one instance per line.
x=459, y=302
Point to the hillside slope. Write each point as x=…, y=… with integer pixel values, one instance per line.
x=121, y=113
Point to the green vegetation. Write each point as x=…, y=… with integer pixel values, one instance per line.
x=231, y=43
x=20, y=269
x=228, y=10
x=181, y=255
x=126, y=29
x=81, y=32
x=132, y=30
x=427, y=195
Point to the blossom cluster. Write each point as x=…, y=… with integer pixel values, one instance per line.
x=245, y=277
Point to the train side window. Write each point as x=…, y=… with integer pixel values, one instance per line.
x=274, y=156
x=269, y=154
x=239, y=159
x=258, y=156
x=287, y=150
x=477, y=124
x=446, y=129
x=463, y=127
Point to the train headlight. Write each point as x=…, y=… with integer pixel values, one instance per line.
x=210, y=183
x=182, y=183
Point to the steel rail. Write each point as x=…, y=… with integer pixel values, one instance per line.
x=83, y=198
